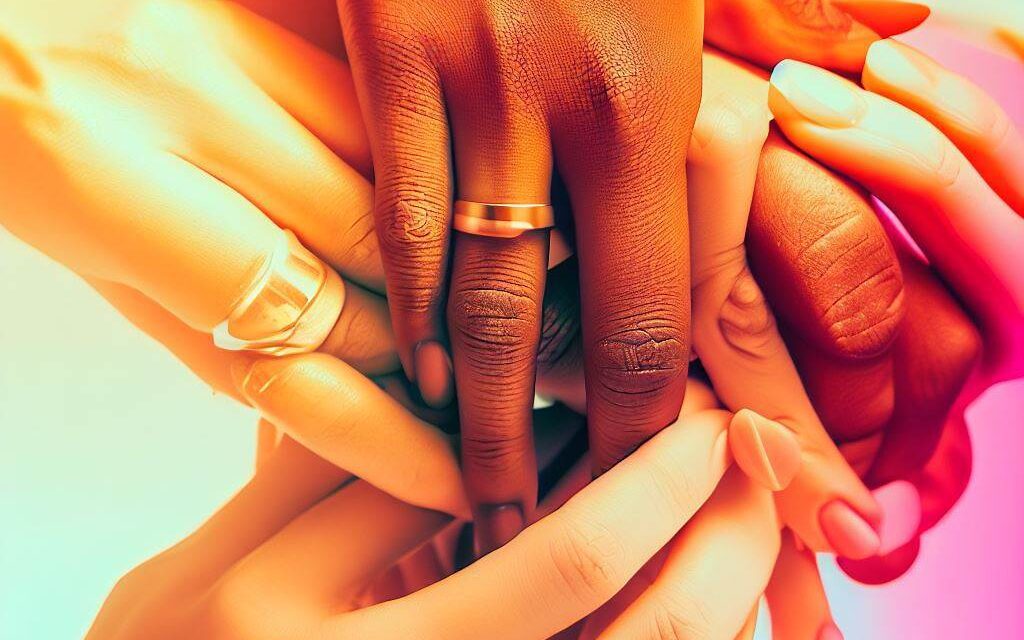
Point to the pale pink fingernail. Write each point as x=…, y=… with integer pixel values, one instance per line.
x=829, y=631
x=901, y=514
x=849, y=534
x=764, y=449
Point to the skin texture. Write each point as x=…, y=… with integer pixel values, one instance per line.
x=326, y=563
x=483, y=101
x=193, y=345
x=970, y=248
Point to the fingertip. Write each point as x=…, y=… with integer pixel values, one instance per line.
x=900, y=503
x=849, y=534
x=881, y=569
x=767, y=451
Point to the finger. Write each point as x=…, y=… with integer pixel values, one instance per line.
x=288, y=482
x=736, y=337
x=360, y=337
x=912, y=167
x=163, y=204
x=937, y=349
x=961, y=110
x=316, y=88
x=715, y=570
x=401, y=99
x=494, y=309
x=823, y=258
x=796, y=598
x=832, y=34
x=624, y=165
x=322, y=560
x=938, y=487
x=569, y=563
x=341, y=415
x=268, y=156
x=832, y=276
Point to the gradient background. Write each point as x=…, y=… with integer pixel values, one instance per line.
x=112, y=450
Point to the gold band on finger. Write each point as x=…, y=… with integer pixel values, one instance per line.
x=291, y=306
x=501, y=220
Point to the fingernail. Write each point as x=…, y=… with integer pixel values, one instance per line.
x=885, y=17
x=496, y=525
x=251, y=377
x=899, y=65
x=910, y=71
x=829, y=631
x=901, y=514
x=766, y=451
x=818, y=95
x=434, y=375
x=849, y=534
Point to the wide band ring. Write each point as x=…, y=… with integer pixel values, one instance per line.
x=501, y=220
x=291, y=306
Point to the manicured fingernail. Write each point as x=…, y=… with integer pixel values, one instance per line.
x=818, y=95
x=829, y=631
x=849, y=534
x=496, y=525
x=901, y=514
x=766, y=451
x=434, y=375
x=909, y=70
x=885, y=17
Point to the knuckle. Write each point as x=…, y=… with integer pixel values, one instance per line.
x=675, y=488
x=641, y=360
x=746, y=322
x=494, y=448
x=680, y=615
x=622, y=88
x=591, y=561
x=831, y=248
x=413, y=242
x=497, y=326
x=727, y=128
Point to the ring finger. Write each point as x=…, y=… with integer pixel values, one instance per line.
x=494, y=306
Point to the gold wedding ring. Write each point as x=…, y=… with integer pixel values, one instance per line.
x=501, y=220
x=291, y=306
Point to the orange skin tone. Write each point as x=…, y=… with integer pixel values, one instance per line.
x=182, y=335
x=483, y=101
x=291, y=554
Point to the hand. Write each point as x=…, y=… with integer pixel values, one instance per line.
x=310, y=560
x=604, y=92
x=830, y=33
x=947, y=160
x=164, y=174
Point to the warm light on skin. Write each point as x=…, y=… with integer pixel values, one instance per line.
x=238, y=160
x=286, y=539
x=918, y=171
